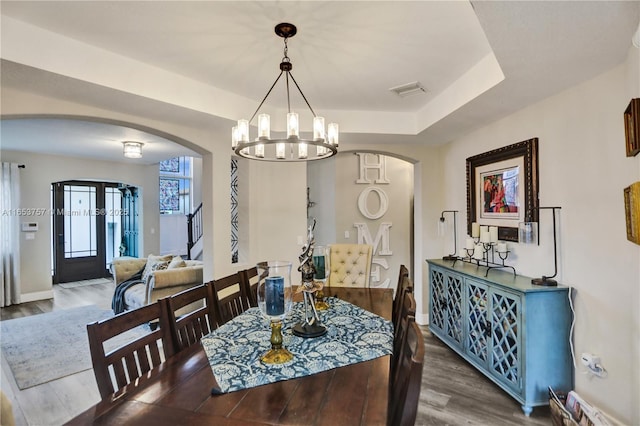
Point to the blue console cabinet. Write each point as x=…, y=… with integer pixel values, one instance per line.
x=514, y=332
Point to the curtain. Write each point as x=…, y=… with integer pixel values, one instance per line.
x=10, y=234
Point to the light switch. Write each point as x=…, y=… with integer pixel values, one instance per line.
x=346, y=234
x=30, y=236
x=300, y=242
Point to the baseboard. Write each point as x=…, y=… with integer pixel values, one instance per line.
x=36, y=295
x=422, y=319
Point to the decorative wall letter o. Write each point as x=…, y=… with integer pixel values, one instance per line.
x=362, y=203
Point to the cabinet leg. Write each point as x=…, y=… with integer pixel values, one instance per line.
x=527, y=409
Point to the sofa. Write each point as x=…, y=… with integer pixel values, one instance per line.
x=152, y=278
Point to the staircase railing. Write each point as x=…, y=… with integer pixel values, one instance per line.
x=194, y=229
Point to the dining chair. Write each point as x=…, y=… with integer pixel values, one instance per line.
x=405, y=386
x=405, y=287
x=250, y=282
x=406, y=316
x=350, y=265
x=230, y=296
x=116, y=365
x=187, y=328
x=404, y=272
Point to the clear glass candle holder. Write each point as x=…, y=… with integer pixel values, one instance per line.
x=321, y=264
x=275, y=300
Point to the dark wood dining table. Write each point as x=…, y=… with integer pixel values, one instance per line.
x=178, y=392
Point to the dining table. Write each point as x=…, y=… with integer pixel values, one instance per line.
x=179, y=390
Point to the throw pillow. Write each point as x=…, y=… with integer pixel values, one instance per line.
x=177, y=262
x=155, y=263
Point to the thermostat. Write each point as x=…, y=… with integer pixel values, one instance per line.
x=29, y=226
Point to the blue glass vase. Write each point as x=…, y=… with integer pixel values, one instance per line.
x=275, y=297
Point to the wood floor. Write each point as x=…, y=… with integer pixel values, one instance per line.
x=453, y=392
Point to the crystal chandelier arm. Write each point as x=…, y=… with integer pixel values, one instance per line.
x=303, y=96
x=266, y=96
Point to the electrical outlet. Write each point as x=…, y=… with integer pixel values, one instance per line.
x=346, y=234
x=589, y=360
x=592, y=362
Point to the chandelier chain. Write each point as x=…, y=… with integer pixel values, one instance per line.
x=265, y=97
x=303, y=96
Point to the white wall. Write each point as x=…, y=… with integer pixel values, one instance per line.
x=583, y=169
x=173, y=234
x=35, y=189
x=277, y=212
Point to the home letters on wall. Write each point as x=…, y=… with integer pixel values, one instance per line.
x=376, y=164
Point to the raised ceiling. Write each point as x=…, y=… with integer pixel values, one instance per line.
x=478, y=61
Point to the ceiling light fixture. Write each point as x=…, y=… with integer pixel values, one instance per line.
x=293, y=147
x=132, y=149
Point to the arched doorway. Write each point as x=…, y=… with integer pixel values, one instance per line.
x=365, y=196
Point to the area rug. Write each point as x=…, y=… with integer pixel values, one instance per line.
x=46, y=347
x=82, y=283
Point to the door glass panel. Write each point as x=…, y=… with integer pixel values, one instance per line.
x=79, y=221
x=113, y=218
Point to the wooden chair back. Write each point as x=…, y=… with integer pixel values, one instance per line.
x=250, y=281
x=405, y=388
x=404, y=272
x=116, y=367
x=231, y=297
x=400, y=331
x=187, y=329
x=406, y=286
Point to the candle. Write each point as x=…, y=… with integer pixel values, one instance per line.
x=470, y=244
x=502, y=248
x=462, y=253
x=493, y=234
x=485, y=237
x=478, y=252
x=274, y=295
x=475, y=230
x=318, y=262
x=484, y=228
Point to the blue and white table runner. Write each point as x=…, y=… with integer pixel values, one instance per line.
x=353, y=335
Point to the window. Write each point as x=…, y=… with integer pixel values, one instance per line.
x=175, y=185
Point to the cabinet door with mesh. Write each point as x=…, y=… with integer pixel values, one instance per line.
x=505, y=361
x=454, y=307
x=477, y=317
x=437, y=301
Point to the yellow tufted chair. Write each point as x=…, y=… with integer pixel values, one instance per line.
x=350, y=265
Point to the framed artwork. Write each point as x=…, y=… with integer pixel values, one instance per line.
x=502, y=188
x=632, y=211
x=632, y=127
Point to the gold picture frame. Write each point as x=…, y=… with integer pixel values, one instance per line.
x=632, y=212
x=632, y=127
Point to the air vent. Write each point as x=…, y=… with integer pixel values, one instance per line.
x=408, y=89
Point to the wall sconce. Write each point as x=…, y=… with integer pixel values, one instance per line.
x=441, y=225
x=132, y=149
x=528, y=234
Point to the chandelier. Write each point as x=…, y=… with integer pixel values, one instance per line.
x=293, y=147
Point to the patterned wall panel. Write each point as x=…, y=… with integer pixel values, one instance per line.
x=234, y=211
